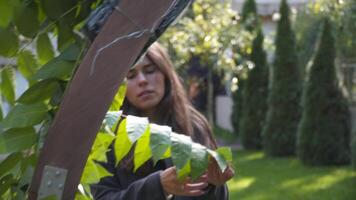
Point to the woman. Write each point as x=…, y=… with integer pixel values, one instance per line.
x=155, y=91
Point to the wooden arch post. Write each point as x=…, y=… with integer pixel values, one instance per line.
x=89, y=95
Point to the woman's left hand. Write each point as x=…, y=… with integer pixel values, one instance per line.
x=215, y=176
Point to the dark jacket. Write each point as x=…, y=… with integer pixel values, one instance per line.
x=126, y=185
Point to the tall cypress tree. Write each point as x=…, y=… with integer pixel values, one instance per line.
x=249, y=15
x=324, y=130
x=249, y=19
x=254, y=102
x=279, y=132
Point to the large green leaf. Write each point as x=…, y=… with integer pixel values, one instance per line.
x=24, y=116
x=122, y=143
x=160, y=141
x=71, y=53
x=142, y=151
x=100, y=146
x=111, y=119
x=40, y=91
x=55, y=68
x=6, y=11
x=181, y=150
x=9, y=163
x=55, y=9
x=44, y=48
x=17, y=139
x=26, y=19
x=225, y=152
x=65, y=34
x=7, y=86
x=6, y=183
x=27, y=64
x=184, y=172
x=119, y=98
x=219, y=159
x=9, y=42
x=93, y=173
x=135, y=127
x=199, y=161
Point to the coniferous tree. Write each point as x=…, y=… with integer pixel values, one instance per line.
x=249, y=15
x=254, y=102
x=279, y=132
x=324, y=130
x=249, y=19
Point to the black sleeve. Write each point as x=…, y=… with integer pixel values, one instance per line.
x=125, y=185
x=147, y=188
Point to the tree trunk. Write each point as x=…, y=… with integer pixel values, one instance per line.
x=210, y=96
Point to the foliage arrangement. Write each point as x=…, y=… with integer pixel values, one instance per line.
x=279, y=132
x=324, y=130
x=254, y=102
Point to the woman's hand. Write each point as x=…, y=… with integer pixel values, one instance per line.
x=171, y=185
x=215, y=176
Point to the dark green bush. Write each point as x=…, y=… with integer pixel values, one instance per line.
x=254, y=101
x=324, y=130
x=279, y=132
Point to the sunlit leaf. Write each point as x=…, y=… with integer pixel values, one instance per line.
x=181, y=149
x=25, y=115
x=159, y=141
x=38, y=92
x=9, y=43
x=101, y=146
x=119, y=98
x=111, y=119
x=199, y=160
x=7, y=86
x=93, y=173
x=17, y=139
x=184, y=172
x=219, y=159
x=142, y=151
x=135, y=127
x=44, y=48
x=26, y=63
x=122, y=143
x=225, y=152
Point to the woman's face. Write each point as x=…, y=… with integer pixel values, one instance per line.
x=145, y=86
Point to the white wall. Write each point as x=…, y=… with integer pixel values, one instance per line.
x=223, y=110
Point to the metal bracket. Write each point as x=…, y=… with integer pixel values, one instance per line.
x=52, y=183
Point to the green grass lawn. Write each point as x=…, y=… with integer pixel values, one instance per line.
x=263, y=178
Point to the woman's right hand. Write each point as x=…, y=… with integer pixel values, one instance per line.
x=171, y=184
